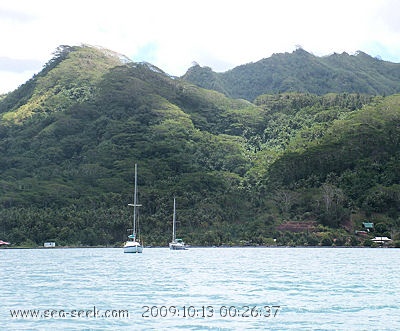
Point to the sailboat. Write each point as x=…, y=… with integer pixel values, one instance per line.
x=176, y=244
x=133, y=245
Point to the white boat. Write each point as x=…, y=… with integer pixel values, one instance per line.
x=133, y=244
x=381, y=240
x=176, y=243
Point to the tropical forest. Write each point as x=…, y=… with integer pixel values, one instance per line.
x=292, y=150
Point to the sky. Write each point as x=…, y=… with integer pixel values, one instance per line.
x=173, y=34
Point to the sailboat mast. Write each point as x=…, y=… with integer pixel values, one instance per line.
x=135, y=202
x=173, y=224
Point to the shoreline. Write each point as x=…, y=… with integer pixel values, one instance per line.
x=190, y=247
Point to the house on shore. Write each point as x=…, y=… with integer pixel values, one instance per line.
x=368, y=226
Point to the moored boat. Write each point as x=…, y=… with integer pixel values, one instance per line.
x=176, y=243
x=133, y=244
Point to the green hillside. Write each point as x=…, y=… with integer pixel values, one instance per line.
x=301, y=71
x=297, y=167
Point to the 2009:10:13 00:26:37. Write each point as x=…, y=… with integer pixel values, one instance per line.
x=211, y=311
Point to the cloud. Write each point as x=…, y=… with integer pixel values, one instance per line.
x=13, y=79
x=18, y=65
x=388, y=16
x=15, y=16
x=220, y=34
x=146, y=53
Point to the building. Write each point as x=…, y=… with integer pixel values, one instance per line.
x=368, y=226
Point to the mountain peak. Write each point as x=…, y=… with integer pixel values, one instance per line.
x=301, y=51
x=123, y=58
x=71, y=76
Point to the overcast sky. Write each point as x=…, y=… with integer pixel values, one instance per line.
x=171, y=34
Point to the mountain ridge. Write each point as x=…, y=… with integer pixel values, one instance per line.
x=301, y=71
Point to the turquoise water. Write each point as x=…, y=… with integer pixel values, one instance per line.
x=201, y=289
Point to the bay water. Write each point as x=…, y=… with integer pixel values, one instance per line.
x=200, y=289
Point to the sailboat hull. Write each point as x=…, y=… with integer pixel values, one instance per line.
x=177, y=246
x=133, y=247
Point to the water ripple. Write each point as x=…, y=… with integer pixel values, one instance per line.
x=310, y=288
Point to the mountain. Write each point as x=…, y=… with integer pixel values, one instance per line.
x=70, y=136
x=301, y=71
x=298, y=167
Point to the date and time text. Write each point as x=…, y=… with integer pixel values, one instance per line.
x=209, y=311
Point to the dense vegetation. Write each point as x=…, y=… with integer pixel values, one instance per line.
x=301, y=71
x=300, y=168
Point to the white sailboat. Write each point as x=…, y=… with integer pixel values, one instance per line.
x=176, y=244
x=133, y=244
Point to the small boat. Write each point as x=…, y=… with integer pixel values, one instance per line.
x=381, y=240
x=4, y=243
x=133, y=245
x=176, y=244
